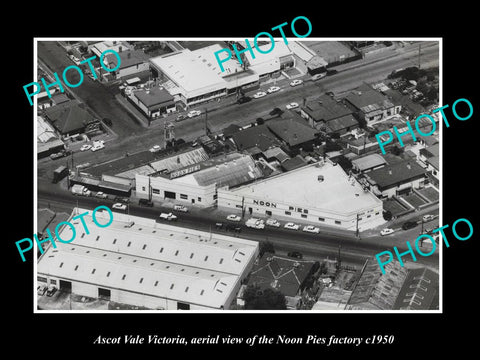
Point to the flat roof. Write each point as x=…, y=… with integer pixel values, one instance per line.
x=258, y=136
x=153, y=96
x=325, y=108
x=336, y=193
x=369, y=161
x=139, y=255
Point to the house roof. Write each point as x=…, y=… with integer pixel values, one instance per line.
x=393, y=174
x=291, y=131
x=369, y=161
x=259, y=136
x=154, y=96
x=127, y=58
x=341, y=123
x=293, y=163
x=280, y=273
x=325, y=108
x=68, y=117
x=367, y=99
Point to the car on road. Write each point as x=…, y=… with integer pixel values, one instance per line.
x=51, y=290
x=41, y=289
x=273, y=222
x=276, y=112
x=428, y=217
x=243, y=99
x=311, y=229
x=296, y=82
x=292, y=105
x=85, y=147
x=332, y=72
x=181, y=117
x=259, y=94
x=295, y=254
x=273, y=89
x=101, y=195
x=119, y=206
x=145, y=202
x=155, y=148
x=181, y=208
x=233, y=227
x=409, y=225
x=120, y=199
x=218, y=225
x=318, y=76
x=58, y=155
x=168, y=217
x=291, y=226
x=194, y=113
x=97, y=145
x=232, y=217
x=386, y=231
x=255, y=223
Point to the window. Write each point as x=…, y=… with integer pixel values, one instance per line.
x=206, y=258
x=199, y=199
x=54, y=282
x=156, y=283
x=144, y=246
x=338, y=222
x=141, y=280
x=215, y=196
x=321, y=219
x=183, y=306
x=299, y=209
x=186, y=289
x=183, y=196
x=171, y=286
x=104, y=293
x=288, y=213
x=93, y=271
x=114, y=241
x=191, y=255
x=161, y=250
x=61, y=264
x=76, y=267
x=237, y=206
x=124, y=276
x=155, y=191
x=108, y=274
x=143, y=188
x=201, y=292
x=268, y=212
x=303, y=216
x=129, y=243
x=291, y=208
x=98, y=237
x=221, y=260
x=83, y=235
x=176, y=253
x=305, y=211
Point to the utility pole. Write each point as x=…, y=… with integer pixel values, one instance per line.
x=356, y=231
x=419, y=52
x=207, y=131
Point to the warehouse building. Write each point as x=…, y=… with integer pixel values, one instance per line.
x=323, y=194
x=139, y=262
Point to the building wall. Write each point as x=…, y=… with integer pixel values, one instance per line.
x=392, y=191
x=257, y=207
x=157, y=186
x=132, y=70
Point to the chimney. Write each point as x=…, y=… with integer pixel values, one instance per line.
x=390, y=171
x=409, y=166
x=120, y=48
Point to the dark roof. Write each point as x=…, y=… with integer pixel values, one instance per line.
x=325, y=109
x=68, y=117
x=283, y=274
x=230, y=130
x=418, y=291
x=365, y=96
x=155, y=96
x=293, y=163
x=291, y=131
x=256, y=136
x=127, y=58
x=431, y=151
x=341, y=123
x=398, y=173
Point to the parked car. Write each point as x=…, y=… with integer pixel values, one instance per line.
x=194, y=113
x=273, y=89
x=255, y=223
x=119, y=206
x=155, y=148
x=244, y=99
x=58, y=155
x=218, y=225
x=428, y=217
x=259, y=94
x=168, y=217
x=234, y=218
x=292, y=105
x=291, y=226
x=145, y=202
x=101, y=195
x=85, y=147
x=97, y=145
x=41, y=289
x=409, y=225
x=332, y=72
x=121, y=199
x=318, y=76
x=296, y=82
x=181, y=117
x=181, y=208
x=276, y=112
x=233, y=227
x=386, y=231
x=51, y=291
x=311, y=229
x=273, y=222
x=295, y=254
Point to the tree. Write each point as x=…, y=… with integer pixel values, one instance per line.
x=260, y=121
x=263, y=299
x=266, y=246
x=396, y=150
x=387, y=215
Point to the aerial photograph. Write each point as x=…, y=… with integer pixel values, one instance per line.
x=230, y=175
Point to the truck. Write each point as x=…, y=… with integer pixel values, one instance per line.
x=59, y=173
x=168, y=217
x=81, y=190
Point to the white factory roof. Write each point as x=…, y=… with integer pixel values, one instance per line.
x=140, y=255
x=337, y=193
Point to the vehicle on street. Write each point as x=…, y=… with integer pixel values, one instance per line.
x=292, y=105
x=81, y=190
x=85, y=147
x=332, y=72
x=428, y=217
x=255, y=223
x=51, y=290
x=181, y=117
x=145, y=202
x=291, y=226
x=259, y=94
x=233, y=227
x=311, y=229
x=273, y=89
x=181, y=208
x=295, y=254
x=218, y=225
x=101, y=195
x=97, y=145
x=41, y=289
x=234, y=218
x=243, y=99
x=409, y=225
x=119, y=206
x=276, y=112
x=58, y=155
x=121, y=199
x=155, y=148
x=194, y=113
x=318, y=76
x=273, y=222
x=386, y=231
x=168, y=217
x=296, y=82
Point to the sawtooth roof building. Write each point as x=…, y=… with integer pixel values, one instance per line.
x=140, y=262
